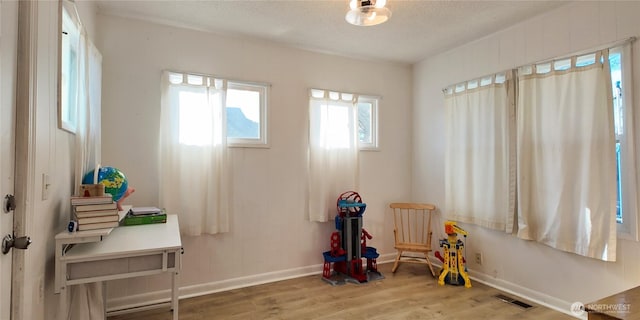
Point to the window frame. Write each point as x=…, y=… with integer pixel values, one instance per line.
x=374, y=144
x=263, y=91
x=628, y=228
x=69, y=30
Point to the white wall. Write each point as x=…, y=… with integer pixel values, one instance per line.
x=270, y=236
x=532, y=269
x=53, y=153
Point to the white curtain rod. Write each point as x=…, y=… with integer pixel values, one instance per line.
x=602, y=47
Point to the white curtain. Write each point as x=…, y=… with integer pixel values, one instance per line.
x=194, y=169
x=566, y=157
x=85, y=302
x=479, y=180
x=333, y=151
x=88, y=129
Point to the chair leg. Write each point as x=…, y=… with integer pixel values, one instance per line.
x=397, y=262
x=433, y=273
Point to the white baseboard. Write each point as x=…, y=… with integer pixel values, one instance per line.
x=525, y=293
x=520, y=291
x=115, y=305
x=136, y=301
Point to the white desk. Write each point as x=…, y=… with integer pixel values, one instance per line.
x=125, y=252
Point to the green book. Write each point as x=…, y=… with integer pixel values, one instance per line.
x=131, y=220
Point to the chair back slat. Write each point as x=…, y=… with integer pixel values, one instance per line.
x=413, y=222
x=412, y=232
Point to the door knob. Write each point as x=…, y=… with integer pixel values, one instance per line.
x=9, y=241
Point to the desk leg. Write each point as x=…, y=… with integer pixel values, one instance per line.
x=64, y=304
x=61, y=268
x=174, y=295
x=103, y=287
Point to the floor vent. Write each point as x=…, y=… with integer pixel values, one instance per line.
x=510, y=300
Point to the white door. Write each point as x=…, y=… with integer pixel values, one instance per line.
x=8, y=51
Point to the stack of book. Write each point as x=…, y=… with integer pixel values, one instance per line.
x=144, y=215
x=95, y=212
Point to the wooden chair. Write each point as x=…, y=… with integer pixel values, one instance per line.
x=412, y=232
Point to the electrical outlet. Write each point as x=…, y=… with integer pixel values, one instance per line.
x=479, y=258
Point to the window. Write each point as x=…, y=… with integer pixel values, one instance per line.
x=245, y=108
x=368, y=122
x=569, y=192
x=480, y=108
x=194, y=118
x=246, y=114
x=367, y=114
x=70, y=42
x=333, y=164
x=626, y=213
x=616, y=82
x=193, y=152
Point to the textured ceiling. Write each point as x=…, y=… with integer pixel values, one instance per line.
x=416, y=30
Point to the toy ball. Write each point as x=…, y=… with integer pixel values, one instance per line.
x=350, y=204
x=114, y=181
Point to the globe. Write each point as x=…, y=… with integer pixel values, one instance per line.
x=114, y=181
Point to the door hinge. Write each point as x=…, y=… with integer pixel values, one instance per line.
x=9, y=203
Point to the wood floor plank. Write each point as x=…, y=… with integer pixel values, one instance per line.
x=410, y=293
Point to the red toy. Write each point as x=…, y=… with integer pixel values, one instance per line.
x=349, y=245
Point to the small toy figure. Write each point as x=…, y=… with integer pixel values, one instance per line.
x=453, y=262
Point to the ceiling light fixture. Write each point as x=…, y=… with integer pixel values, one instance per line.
x=367, y=12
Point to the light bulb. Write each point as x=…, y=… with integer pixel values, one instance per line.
x=372, y=16
x=380, y=3
x=353, y=4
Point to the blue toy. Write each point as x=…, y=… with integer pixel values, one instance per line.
x=114, y=181
x=349, y=245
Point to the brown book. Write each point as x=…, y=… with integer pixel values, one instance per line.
x=94, y=207
x=95, y=213
x=99, y=225
x=88, y=220
x=78, y=200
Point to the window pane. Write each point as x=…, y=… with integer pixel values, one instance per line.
x=195, y=80
x=175, y=78
x=243, y=114
x=365, y=110
x=68, y=73
x=195, y=118
x=69, y=84
x=616, y=83
x=543, y=68
x=335, y=127
x=586, y=60
x=316, y=93
x=618, y=118
x=564, y=64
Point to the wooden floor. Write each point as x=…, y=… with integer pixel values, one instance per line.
x=410, y=293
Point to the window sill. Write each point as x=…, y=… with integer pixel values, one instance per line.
x=249, y=145
x=624, y=234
